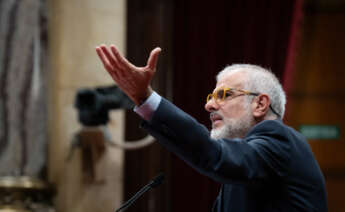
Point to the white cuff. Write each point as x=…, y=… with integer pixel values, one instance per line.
x=147, y=109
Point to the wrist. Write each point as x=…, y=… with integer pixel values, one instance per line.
x=144, y=97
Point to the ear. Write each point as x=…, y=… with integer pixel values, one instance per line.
x=260, y=106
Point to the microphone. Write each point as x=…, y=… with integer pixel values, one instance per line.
x=152, y=184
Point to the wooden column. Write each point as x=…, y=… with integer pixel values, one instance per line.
x=149, y=25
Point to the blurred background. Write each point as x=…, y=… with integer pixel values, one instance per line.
x=56, y=154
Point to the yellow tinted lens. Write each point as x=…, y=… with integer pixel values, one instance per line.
x=220, y=95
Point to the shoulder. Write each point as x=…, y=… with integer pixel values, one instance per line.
x=274, y=137
x=269, y=127
x=276, y=129
x=273, y=141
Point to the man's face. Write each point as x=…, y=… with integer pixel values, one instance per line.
x=231, y=118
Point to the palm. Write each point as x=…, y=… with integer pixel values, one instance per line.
x=133, y=80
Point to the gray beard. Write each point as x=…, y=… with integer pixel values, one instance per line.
x=233, y=128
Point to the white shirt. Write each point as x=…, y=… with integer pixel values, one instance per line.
x=147, y=109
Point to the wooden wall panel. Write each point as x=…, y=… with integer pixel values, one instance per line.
x=149, y=25
x=317, y=96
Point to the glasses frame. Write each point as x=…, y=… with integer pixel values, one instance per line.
x=244, y=92
x=215, y=96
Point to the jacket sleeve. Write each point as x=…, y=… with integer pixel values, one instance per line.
x=224, y=160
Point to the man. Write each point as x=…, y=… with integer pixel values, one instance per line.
x=263, y=165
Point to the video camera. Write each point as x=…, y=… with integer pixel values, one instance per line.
x=94, y=104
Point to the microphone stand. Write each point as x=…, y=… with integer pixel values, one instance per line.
x=152, y=184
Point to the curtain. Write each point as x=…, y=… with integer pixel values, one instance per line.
x=23, y=114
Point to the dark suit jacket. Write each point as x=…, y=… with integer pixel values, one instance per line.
x=271, y=169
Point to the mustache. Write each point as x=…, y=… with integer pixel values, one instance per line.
x=215, y=114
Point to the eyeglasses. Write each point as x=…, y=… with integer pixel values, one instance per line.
x=229, y=93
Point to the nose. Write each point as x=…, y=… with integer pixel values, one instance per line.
x=211, y=106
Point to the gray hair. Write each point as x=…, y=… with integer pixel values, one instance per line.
x=260, y=80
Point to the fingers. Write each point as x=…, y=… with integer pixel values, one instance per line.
x=103, y=58
x=152, y=61
x=109, y=61
x=110, y=57
x=123, y=62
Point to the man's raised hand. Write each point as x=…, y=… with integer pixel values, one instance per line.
x=134, y=81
